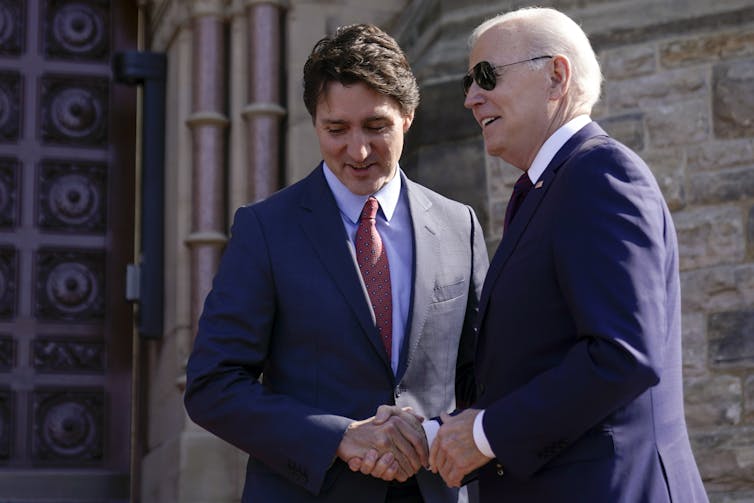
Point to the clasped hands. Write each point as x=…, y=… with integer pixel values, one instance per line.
x=392, y=445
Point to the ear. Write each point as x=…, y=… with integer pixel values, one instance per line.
x=407, y=121
x=560, y=76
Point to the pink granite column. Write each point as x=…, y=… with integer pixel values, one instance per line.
x=208, y=122
x=264, y=111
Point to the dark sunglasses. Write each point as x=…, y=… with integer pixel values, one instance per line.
x=485, y=74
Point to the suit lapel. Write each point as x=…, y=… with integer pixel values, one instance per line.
x=322, y=224
x=426, y=248
x=529, y=207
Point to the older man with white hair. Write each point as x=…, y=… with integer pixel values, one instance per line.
x=579, y=354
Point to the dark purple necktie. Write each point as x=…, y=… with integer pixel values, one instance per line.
x=373, y=264
x=520, y=189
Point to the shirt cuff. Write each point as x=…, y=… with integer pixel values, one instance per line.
x=431, y=426
x=480, y=439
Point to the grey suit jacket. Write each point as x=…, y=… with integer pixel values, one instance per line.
x=288, y=303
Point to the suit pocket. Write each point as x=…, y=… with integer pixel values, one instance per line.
x=449, y=292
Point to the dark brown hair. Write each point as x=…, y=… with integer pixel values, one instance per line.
x=360, y=53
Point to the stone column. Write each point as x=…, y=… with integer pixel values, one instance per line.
x=208, y=123
x=238, y=166
x=264, y=111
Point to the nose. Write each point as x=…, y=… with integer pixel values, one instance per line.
x=358, y=147
x=473, y=97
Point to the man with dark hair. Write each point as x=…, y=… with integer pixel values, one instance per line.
x=350, y=289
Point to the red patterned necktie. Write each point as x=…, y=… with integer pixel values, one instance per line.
x=372, y=259
x=520, y=189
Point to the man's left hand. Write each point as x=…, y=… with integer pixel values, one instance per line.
x=454, y=453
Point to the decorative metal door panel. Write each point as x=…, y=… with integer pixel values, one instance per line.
x=66, y=233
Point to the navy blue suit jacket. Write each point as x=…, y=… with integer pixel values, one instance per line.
x=288, y=303
x=579, y=354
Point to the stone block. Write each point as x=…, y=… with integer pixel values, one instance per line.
x=707, y=48
x=161, y=472
x=211, y=470
x=455, y=170
x=624, y=23
x=733, y=100
x=659, y=89
x=628, y=61
x=669, y=169
x=165, y=398
x=727, y=185
x=694, y=344
x=302, y=151
x=717, y=288
x=731, y=496
x=717, y=154
x=713, y=400
x=497, y=217
x=600, y=110
x=500, y=177
x=445, y=59
x=627, y=129
x=745, y=280
x=725, y=457
x=749, y=397
x=731, y=339
x=750, y=230
x=678, y=123
x=441, y=116
x=709, y=236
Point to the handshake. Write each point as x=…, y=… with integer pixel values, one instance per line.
x=392, y=445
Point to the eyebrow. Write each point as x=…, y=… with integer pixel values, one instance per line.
x=373, y=118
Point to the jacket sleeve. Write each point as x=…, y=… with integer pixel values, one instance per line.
x=224, y=393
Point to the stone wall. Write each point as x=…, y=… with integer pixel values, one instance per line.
x=680, y=91
x=685, y=102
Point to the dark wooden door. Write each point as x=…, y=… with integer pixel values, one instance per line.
x=66, y=233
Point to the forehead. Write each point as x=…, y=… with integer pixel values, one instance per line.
x=497, y=44
x=354, y=102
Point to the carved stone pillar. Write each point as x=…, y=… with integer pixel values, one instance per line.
x=208, y=123
x=238, y=87
x=264, y=111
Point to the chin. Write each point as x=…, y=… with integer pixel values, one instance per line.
x=493, y=150
x=361, y=189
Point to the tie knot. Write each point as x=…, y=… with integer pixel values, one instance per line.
x=523, y=184
x=370, y=209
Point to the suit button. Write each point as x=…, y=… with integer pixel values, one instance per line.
x=499, y=470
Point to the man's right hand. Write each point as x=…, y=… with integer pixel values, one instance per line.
x=390, y=446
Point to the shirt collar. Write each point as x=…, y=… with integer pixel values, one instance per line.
x=351, y=204
x=554, y=143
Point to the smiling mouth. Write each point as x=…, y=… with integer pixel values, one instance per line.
x=489, y=120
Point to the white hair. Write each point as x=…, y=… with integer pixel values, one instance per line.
x=549, y=32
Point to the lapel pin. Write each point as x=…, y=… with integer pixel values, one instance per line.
x=539, y=185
